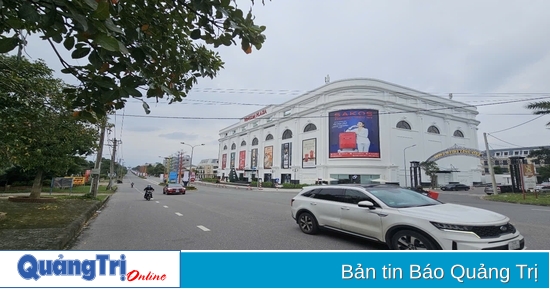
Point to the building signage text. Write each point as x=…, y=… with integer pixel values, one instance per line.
x=255, y=115
x=455, y=152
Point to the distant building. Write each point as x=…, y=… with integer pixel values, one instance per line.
x=207, y=168
x=501, y=158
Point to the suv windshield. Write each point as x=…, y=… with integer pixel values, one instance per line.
x=402, y=198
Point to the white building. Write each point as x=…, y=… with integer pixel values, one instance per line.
x=305, y=138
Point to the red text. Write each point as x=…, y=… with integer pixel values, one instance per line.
x=135, y=275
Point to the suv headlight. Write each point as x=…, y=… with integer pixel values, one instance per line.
x=453, y=227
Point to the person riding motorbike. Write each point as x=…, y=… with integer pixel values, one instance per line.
x=148, y=188
x=132, y=184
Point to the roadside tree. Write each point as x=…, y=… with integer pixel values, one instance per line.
x=132, y=45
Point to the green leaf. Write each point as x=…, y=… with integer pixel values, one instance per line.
x=95, y=60
x=69, y=43
x=196, y=34
x=80, y=52
x=132, y=91
x=107, y=42
x=28, y=13
x=138, y=55
x=122, y=48
x=102, y=11
x=79, y=18
x=91, y=3
x=8, y=44
x=112, y=26
x=57, y=38
x=225, y=3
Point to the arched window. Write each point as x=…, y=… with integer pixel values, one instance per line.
x=233, y=146
x=433, y=129
x=403, y=125
x=269, y=137
x=255, y=141
x=287, y=134
x=458, y=133
x=310, y=127
x=243, y=143
x=225, y=147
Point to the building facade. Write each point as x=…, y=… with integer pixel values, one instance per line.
x=207, y=168
x=501, y=159
x=354, y=130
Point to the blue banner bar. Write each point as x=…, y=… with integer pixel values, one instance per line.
x=298, y=269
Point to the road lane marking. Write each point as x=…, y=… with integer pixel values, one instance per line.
x=179, y=214
x=541, y=210
x=203, y=228
x=157, y=202
x=166, y=207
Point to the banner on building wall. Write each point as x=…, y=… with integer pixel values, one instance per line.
x=242, y=160
x=232, y=161
x=354, y=133
x=254, y=159
x=268, y=157
x=224, y=161
x=286, y=155
x=309, y=153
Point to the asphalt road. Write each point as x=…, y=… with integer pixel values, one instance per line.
x=228, y=219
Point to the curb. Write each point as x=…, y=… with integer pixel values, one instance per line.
x=74, y=228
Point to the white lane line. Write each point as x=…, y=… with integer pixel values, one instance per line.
x=157, y=202
x=203, y=228
x=179, y=214
x=541, y=210
x=166, y=207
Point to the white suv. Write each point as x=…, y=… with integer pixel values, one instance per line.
x=402, y=218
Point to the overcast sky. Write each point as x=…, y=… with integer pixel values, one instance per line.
x=484, y=52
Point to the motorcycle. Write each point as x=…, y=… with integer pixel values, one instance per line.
x=132, y=185
x=148, y=195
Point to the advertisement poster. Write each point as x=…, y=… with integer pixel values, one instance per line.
x=354, y=133
x=232, y=161
x=309, y=151
x=242, y=160
x=268, y=157
x=286, y=155
x=254, y=159
x=224, y=161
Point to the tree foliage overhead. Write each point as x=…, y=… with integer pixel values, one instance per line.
x=132, y=45
x=430, y=169
x=39, y=131
x=540, y=108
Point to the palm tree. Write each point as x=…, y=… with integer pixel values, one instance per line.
x=540, y=108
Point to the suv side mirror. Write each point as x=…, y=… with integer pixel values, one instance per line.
x=366, y=204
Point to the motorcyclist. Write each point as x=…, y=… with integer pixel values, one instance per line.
x=132, y=184
x=148, y=188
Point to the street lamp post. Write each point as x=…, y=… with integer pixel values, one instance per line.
x=192, y=150
x=405, y=162
x=295, y=170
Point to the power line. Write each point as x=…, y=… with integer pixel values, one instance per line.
x=504, y=141
x=296, y=117
x=523, y=123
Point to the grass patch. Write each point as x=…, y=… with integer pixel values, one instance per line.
x=542, y=200
x=42, y=215
x=102, y=189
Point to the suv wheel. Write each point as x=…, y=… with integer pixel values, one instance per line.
x=308, y=223
x=411, y=240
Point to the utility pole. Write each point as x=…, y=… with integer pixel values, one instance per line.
x=112, y=168
x=180, y=162
x=97, y=167
x=490, y=163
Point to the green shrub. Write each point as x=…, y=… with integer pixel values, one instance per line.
x=190, y=188
x=209, y=180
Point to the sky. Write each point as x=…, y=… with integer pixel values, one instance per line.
x=483, y=52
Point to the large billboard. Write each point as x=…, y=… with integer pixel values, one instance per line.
x=242, y=160
x=354, y=133
x=286, y=155
x=309, y=153
x=254, y=159
x=224, y=161
x=232, y=161
x=268, y=157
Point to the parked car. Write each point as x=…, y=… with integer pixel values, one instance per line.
x=401, y=218
x=171, y=189
x=455, y=187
